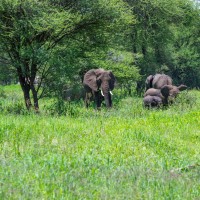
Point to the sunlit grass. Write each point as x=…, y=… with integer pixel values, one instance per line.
x=127, y=152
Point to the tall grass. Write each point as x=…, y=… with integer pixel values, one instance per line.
x=127, y=152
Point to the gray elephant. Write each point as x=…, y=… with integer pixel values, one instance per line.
x=74, y=93
x=98, y=83
x=152, y=101
x=175, y=90
x=162, y=94
x=167, y=93
x=157, y=81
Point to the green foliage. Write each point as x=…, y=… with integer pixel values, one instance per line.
x=166, y=34
x=7, y=75
x=14, y=108
x=10, y=101
x=50, y=39
x=2, y=93
x=60, y=107
x=185, y=51
x=59, y=40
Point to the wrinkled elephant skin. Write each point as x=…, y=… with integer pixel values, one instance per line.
x=99, y=83
x=166, y=92
x=157, y=81
x=152, y=101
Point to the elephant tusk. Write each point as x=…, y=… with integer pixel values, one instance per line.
x=102, y=93
x=111, y=93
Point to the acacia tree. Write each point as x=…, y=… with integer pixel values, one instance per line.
x=33, y=31
x=28, y=31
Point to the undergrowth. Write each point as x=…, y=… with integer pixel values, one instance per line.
x=69, y=152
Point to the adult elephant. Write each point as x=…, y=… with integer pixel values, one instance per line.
x=98, y=83
x=157, y=81
x=167, y=93
x=74, y=92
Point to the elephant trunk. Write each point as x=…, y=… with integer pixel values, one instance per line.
x=108, y=101
x=107, y=97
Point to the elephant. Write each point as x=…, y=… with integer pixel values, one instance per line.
x=175, y=90
x=157, y=81
x=73, y=93
x=162, y=94
x=167, y=93
x=152, y=101
x=99, y=83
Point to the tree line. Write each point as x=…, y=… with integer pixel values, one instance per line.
x=59, y=40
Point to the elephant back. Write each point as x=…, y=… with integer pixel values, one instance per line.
x=153, y=92
x=159, y=80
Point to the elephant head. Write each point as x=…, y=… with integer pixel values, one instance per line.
x=172, y=91
x=157, y=81
x=100, y=83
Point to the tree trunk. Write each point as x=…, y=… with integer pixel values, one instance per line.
x=26, y=90
x=35, y=97
x=26, y=83
x=34, y=92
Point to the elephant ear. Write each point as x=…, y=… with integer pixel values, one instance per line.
x=90, y=79
x=112, y=80
x=165, y=90
x=182, y=87
x=148, y=82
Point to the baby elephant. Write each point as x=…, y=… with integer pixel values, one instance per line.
x=152, y=101
x=165, y=95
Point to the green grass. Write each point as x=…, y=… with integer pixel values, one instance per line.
x=127, y=152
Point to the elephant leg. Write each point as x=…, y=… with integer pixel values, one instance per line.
x=147, y=106
x=98, y=99
x=87, y=99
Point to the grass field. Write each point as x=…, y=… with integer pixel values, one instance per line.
x=127, y=152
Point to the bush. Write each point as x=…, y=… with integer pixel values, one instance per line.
x=13, y=108
x=186, y=98
x=61, y=107
x=2, y=93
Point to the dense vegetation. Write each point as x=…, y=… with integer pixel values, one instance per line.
x=59, y=40
x=66, y=151
x=127, y=152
